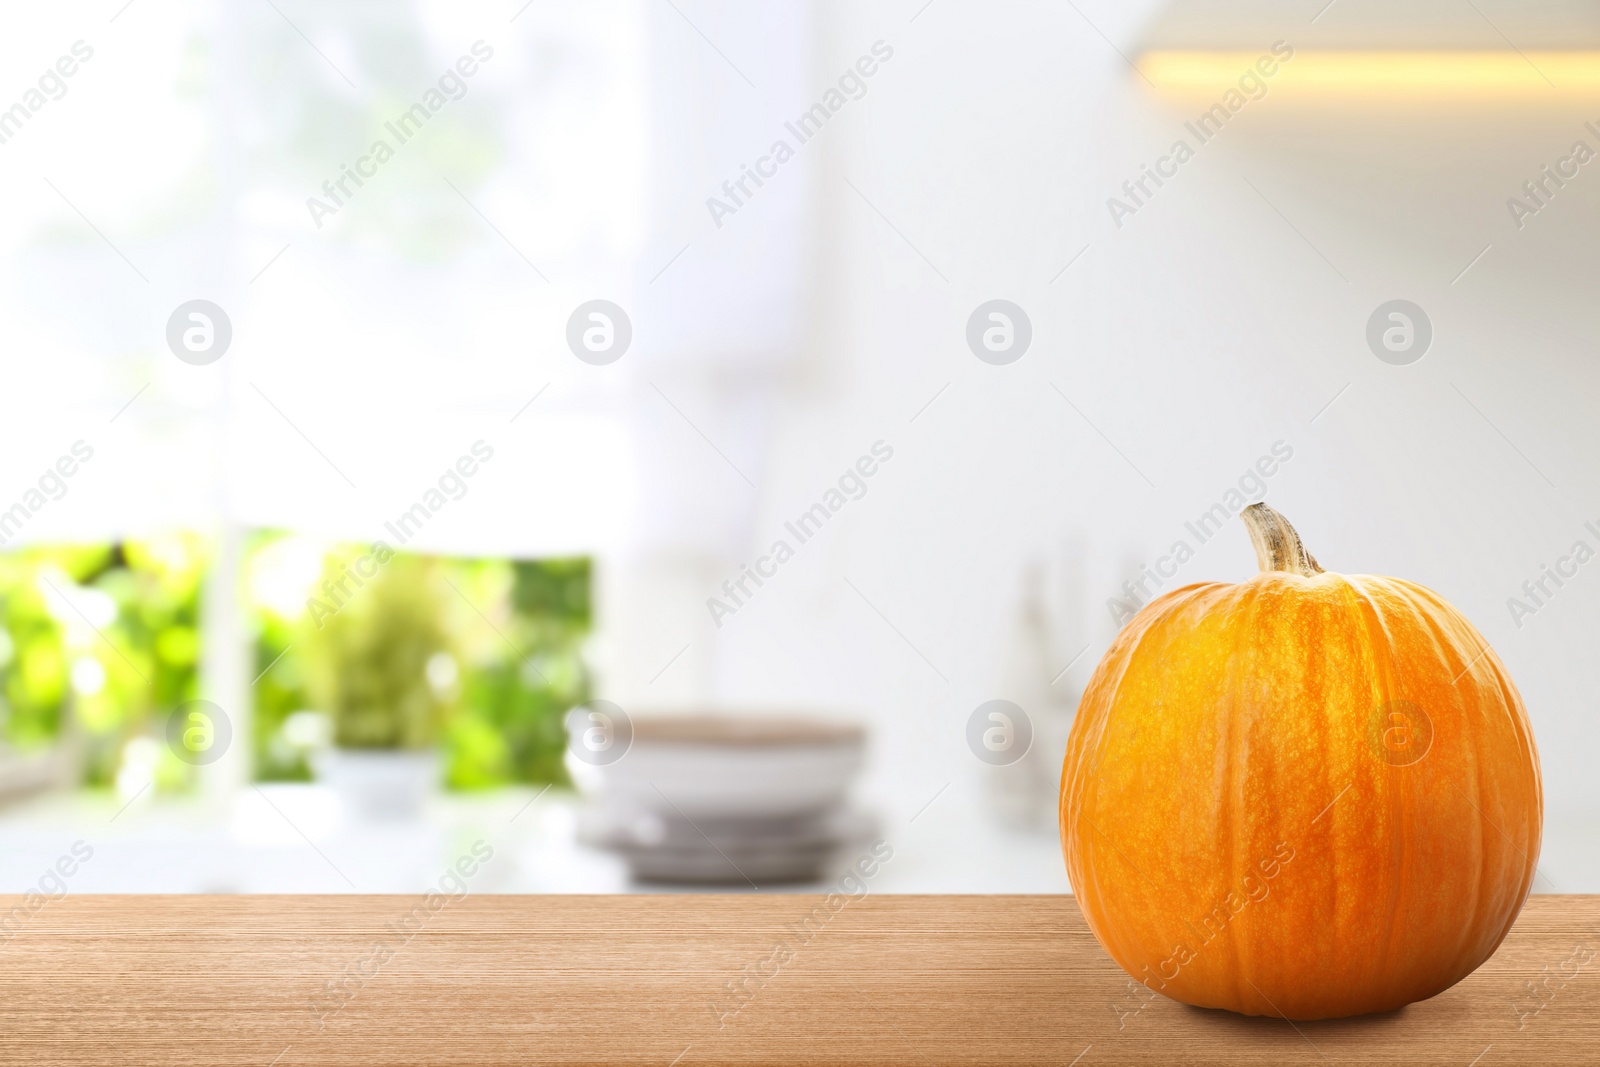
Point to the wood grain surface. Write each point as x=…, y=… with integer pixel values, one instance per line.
x=645, y=980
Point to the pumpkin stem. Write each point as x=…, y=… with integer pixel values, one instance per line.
x=1278, y=546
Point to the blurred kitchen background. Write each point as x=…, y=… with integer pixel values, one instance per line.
x=216, y=674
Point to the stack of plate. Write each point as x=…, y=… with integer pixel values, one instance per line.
x=727, y=801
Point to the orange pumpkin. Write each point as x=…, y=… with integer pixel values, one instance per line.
x=1307, y=795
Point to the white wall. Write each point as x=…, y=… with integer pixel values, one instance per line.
x=1194, y=337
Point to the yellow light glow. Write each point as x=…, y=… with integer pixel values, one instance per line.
x=1430, y=74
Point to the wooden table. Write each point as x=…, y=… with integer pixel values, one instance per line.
x=549, y=979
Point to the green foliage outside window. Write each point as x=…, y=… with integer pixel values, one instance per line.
x=98, y=643
x=399, y=650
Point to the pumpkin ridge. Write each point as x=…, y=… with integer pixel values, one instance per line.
x=1522, y=730
x=1478, y=785
x=1119, y=658
x=1347, y=608
x=1328, y=619
x=1483, y=653
x=1396, y=800
x=1510, y=704
x=1444, y=642
x=1128, y=652
x=1244, y=611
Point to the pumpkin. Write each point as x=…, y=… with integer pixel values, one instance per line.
x=1307, y=795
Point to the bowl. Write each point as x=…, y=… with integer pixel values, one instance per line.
x=710, y=766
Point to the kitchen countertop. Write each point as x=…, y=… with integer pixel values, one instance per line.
x=489, y=979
